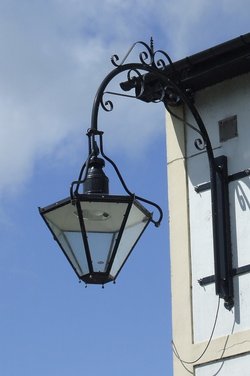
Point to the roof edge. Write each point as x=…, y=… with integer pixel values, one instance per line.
x=215, y=64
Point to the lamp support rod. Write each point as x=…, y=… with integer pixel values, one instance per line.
x=153, y=82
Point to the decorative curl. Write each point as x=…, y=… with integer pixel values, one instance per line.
x=146, y=57
x=162, y=91
x=114, y=59
x=136, y=74
x=134, y=80
x=106, y=105
x=200, y=144
x=162, y=62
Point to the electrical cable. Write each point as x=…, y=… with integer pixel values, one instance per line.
x=184, y=362
x=224, y=350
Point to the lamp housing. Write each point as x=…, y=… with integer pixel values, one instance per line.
x=96, y=233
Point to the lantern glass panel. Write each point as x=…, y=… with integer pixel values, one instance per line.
x=103, y=216
x=97, y=233
x=76, y=253
x=137, y=221
x=102, y=221
x=64, y=224
x=101, y=247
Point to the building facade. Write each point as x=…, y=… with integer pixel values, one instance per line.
x=209, y=339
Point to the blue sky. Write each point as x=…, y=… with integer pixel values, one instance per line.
x=54, y=54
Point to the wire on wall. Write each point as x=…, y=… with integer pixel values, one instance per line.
x=186, y=362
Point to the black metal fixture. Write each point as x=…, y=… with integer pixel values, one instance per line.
x=95, y=230
x=98, y=231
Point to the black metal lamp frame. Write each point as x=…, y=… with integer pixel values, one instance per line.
x=95, y=151
x=152, y=83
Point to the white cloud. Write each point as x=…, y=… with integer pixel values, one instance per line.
x=53, y=55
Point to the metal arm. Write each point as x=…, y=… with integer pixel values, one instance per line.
x=152, y=82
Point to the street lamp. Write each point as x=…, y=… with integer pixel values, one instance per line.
x=97, y=231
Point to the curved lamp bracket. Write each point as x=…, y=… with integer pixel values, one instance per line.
x=154, y=79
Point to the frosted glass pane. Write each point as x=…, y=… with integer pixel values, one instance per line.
x=101, y=247
x=103, y=221
x=103, y=216
x=64, y=217
x=67, y=244
x=79, y=259
x=135, y=225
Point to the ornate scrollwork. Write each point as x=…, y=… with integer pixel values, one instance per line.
x=114, y=59
x=106, y=105
x=161, y=93
x=163, y=61
x=133, y=74
x=147, y=87
x=146, y=57
x=134, y=80
x=200, y=144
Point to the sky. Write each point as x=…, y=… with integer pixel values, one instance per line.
x=54, y=54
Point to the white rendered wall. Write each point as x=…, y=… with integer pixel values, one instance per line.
x=216, y=103
x=236, y=366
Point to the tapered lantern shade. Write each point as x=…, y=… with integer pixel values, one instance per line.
x=96, y=232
